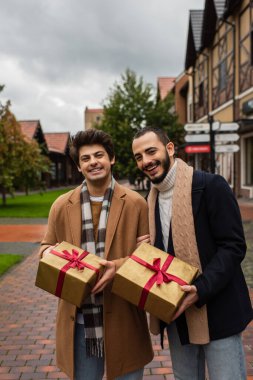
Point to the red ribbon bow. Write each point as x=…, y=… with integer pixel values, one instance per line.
x=158, y=277
x=74, y=261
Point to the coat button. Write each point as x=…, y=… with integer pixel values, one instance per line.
x=72, y=318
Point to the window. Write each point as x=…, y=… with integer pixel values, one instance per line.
x=53, y=170
x=249, y=161
x=251, y=48
x=190, y=113
x=201, y=94
x=222, y=75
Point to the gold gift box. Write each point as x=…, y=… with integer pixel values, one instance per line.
x=77, y=284
x=162, y=300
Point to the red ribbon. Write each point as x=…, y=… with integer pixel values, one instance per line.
x=158, y=277
x=74, y=261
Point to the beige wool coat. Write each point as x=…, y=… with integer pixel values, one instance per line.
x=126, y=336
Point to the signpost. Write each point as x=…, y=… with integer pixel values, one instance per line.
x=219, y=137
x=212, y=132
x=198, y=138
x=226, y=137
x=225, y=127
x=197, y=148
x=197, y=127
x=233, y=148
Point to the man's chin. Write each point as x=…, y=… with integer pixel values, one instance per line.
x=159, y=179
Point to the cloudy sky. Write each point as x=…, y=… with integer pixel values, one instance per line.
x=59, y=56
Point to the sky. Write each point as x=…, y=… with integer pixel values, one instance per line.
x=59, y=56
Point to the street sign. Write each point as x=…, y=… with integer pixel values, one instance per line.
x=197, y=149
x=195, y=127
x=227, y=148
x=224, y=127
x=226, y=137
x=203, y=137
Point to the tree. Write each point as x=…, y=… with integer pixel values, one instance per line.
x=131, y=105
x=31, y=167
x=21, y=162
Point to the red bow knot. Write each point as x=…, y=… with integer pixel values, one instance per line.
x=158, y=277
x=74, y=261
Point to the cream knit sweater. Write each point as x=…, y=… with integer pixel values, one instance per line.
x=165, y=189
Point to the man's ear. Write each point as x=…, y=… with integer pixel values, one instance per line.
x=170, y=149
x=112, y=161
x=78, y=168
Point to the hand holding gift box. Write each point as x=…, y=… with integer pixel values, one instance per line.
x=69, y=273
x=151, y=279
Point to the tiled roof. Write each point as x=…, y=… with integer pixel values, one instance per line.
x=220, y=7
x=165, y=85
x=196, y=18
x=57, y=142
x=29, y=127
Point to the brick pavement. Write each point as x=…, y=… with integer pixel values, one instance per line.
x=27, y=322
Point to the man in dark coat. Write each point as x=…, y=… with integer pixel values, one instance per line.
x=195, y=216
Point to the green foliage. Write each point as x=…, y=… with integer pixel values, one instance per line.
x=8, y=260
x=31, y=167
x=131, y=105
x=163, y=116
x=21, y=161
x=31, y=206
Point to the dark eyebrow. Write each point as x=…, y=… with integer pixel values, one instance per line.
x=88, y=155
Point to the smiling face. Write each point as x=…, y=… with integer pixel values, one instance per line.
x=153, y=158
x=95, y=165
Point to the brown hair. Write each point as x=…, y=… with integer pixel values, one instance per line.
x=89, y=137
x=159, y=133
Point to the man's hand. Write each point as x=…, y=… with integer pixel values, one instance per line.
x=190, y=298
x=142, y=239
x=107, y=276
x=49, y=249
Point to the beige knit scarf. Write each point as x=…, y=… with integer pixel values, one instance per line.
x=184, y=242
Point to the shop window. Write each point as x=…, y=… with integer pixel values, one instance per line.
x=249, y=161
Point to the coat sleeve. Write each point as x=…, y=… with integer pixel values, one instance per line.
x=229, y=247
x=50, y=237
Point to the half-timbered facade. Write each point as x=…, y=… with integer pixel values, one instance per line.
x=219, y=58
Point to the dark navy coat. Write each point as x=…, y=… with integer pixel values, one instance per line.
x=221, y=244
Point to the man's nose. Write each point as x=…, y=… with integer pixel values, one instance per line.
x=93, y=160
x=146, y=160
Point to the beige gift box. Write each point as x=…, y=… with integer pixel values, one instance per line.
x=144, y=284
x=70, y=277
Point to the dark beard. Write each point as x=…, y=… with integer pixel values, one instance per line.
x=165, y=165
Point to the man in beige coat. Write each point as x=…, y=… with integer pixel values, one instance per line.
x=125, y=337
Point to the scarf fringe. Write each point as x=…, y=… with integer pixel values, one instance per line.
x=95, y=347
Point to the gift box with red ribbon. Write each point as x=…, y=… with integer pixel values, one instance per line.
x=68, y=272
x=151, y=279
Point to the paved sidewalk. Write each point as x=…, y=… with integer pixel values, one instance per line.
x=27, y=322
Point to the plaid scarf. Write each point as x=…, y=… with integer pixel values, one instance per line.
x=93, y=308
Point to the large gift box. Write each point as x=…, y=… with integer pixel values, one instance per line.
x=68, y=272
x=151, y=279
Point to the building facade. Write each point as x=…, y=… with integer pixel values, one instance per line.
x=219, y=64
x=92, y=117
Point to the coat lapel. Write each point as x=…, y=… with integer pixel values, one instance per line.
x=151, y=214
x=114, y=216
x=74, y=216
